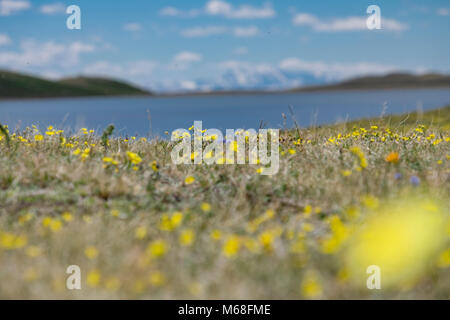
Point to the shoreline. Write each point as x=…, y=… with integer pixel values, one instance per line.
x=226, y=93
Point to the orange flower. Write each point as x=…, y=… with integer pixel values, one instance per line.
x=393, y=157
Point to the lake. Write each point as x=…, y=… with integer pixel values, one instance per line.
x=144, y=116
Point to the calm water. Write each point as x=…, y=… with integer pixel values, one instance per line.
x=131, y=115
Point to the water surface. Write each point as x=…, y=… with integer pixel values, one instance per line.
x=144, y=116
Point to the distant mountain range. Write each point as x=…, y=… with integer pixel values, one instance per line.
x=390, y=81
x=15, y=85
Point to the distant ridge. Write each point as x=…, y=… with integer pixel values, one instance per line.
x=16, y=85
x=390, y=81
x=19, y=86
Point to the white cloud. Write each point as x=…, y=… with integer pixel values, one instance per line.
x=187, y=56
x=203, y=31
x=34, y=54
x=184, y=59
x=53, y=8
x=207, y=31
x=4, y=39
x=246, y=31
x=334, y=71
x=8, y=7
x=246, y=75
x=174, y=12
x=132, y=70
x=443, y=12
x=224, y=9
x=132, y=27
x=188, y=85
x=344, y=24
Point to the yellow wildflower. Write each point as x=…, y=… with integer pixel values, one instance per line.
x=157, y=248
x=187, y=237
x=91, y=252
x=189, y=180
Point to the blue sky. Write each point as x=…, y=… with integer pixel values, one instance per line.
x=222, y=44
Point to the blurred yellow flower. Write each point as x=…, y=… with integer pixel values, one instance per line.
x=231, y=246
x=93, y=278
x=67, y=216
x=187, y=237
x=157, y=248
x=206, y=207
x=170, y=223
x=91, y=252
x=189, y=180
x=157, y=278
x=216, y=235
x=401, y=238
x=134, y=157
x=311, y=287
x=444, y=259
x=33, y=251
x=140, y=232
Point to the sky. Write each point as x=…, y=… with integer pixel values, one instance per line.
x=203, y=45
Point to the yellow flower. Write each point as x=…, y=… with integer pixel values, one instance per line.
x=170, y=223
x=189, y=180
x=157, y=248
x=370, y=202
x=346, y=173
x=91, y=252
x=216, y=235
x=155, y=166
x=157, y=278
x=292, y=151
x=206, y=207
x=33, y=251
x=10, y=241
x=134, y=158
x=444, y=259
x=67, y=216
x=38, y=137
x=311, y=287
x=55, y=225
x=25, y=218
x=308, y=209
x=115, y=213
x=93, y=278
x=266, y=239
x=187, y=237
x=231, y=246
x=308, y=227
x=140, y=232
x=401, y=238
x=30, y=275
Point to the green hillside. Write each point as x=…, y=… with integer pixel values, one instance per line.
x=15, y=85
x=390, y=81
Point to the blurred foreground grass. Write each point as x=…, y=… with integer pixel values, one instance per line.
x=371, y=192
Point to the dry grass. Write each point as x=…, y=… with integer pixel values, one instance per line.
x=58, y=209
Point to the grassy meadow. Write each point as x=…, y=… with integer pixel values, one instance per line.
x=347, y=196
